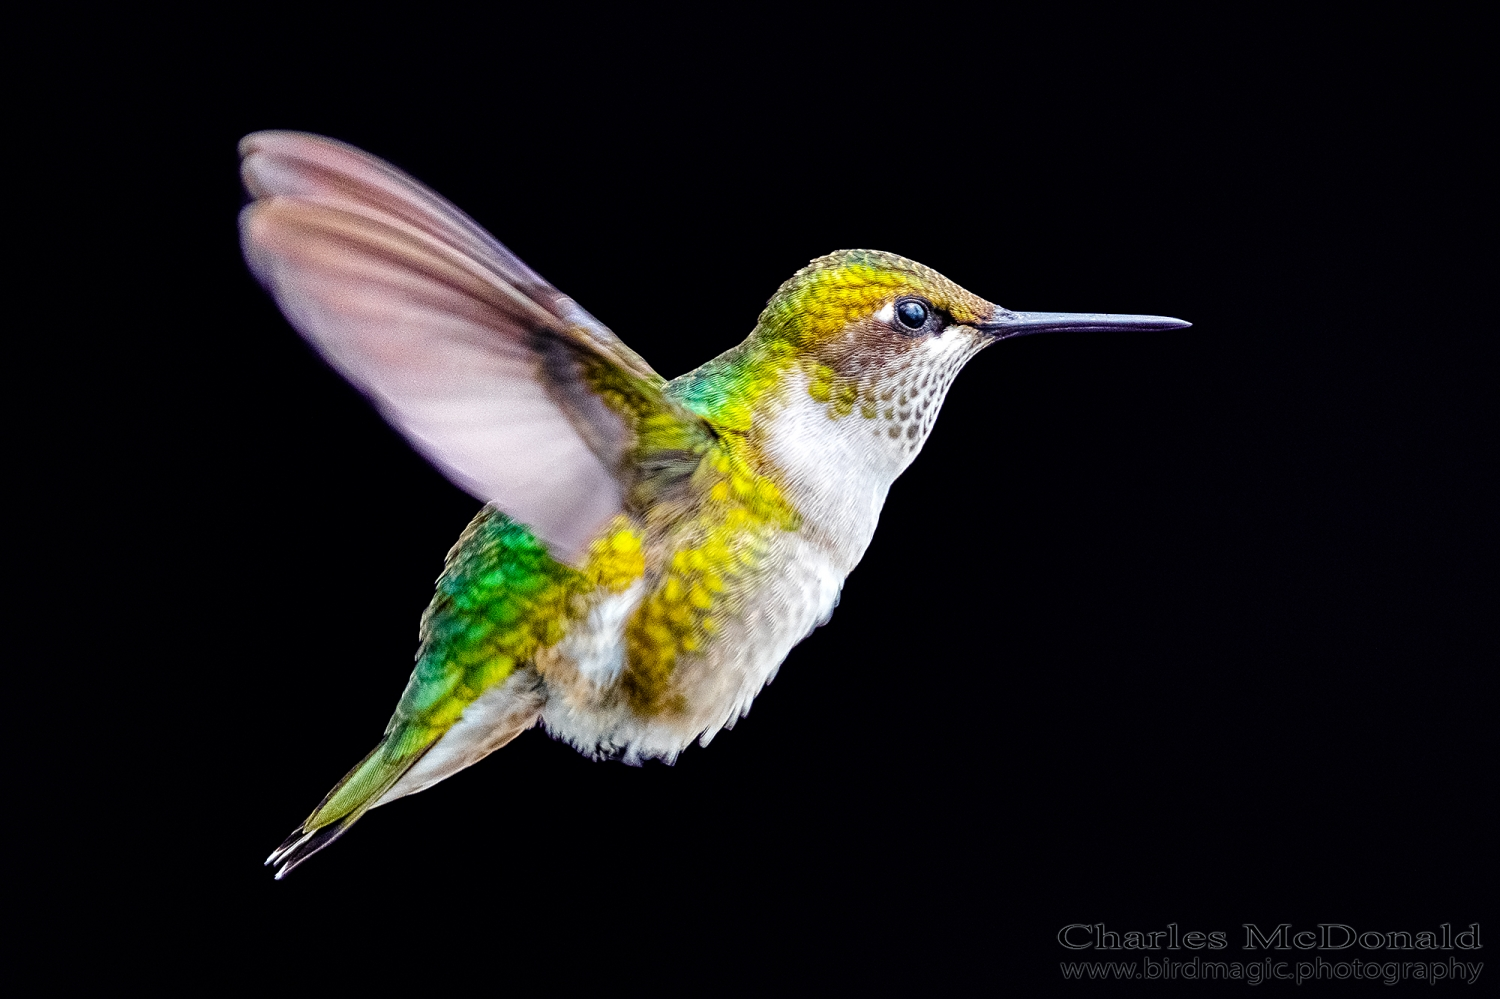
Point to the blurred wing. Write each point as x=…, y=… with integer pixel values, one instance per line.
x=489, y=371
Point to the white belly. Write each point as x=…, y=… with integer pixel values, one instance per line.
x=717, y=685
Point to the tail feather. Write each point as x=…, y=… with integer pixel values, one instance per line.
x=462, y=727
x=350, y=798
x=303, y=843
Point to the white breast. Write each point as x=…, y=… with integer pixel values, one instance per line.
x=596, y=646
x=796, y=591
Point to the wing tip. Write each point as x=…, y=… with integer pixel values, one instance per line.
x=267, y=139
x=265, y=156
x=252, y=142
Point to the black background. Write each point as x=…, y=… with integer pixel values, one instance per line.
x=1188, y=627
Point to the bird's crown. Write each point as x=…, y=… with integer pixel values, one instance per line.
x=817, y=305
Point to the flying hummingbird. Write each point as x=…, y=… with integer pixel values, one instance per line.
x=649, y=550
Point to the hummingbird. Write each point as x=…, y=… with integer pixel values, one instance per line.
x=649, y=551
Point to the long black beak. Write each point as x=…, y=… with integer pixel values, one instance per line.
x=1007, y=324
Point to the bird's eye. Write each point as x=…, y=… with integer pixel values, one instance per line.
x=912, y=313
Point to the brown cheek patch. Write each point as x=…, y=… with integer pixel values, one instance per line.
x=848, y=374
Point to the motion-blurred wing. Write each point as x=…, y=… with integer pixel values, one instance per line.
x=488, y=370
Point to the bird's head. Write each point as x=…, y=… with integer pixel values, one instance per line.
x=839, y=384
x=863, y=324
x=882, y=337
x=857, y=351
x=861, y=311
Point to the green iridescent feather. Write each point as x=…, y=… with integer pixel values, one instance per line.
x=500, y=598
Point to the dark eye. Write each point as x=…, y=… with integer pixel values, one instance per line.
x=912, y=313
